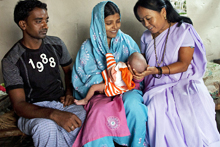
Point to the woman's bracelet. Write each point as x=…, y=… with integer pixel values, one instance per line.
x=159, y=74
x=168, y=68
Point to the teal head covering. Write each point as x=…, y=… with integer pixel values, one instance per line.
x=90, y=60
x=97, y=28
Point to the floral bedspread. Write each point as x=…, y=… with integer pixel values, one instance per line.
x=2, y=89
x=212, y=79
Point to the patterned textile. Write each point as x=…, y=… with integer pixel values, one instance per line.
x=102, y=111
x=212, y=79
x=47, y=133
x=110, y=61
x=2, y=89
x=91, y=61
x=121, y=75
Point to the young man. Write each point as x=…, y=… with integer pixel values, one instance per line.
x=32, y=78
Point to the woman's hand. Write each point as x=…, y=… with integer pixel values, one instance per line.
x=135, y=74
x=139, y=76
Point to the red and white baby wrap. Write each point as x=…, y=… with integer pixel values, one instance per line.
x=122, y=77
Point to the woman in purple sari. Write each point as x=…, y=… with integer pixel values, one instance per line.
x=181, y=111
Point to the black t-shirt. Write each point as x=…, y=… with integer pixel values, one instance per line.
x=37, y=71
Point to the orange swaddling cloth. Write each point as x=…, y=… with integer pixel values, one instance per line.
x=121, y=75
x=127, y=78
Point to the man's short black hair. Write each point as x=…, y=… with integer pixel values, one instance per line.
x=23, y=7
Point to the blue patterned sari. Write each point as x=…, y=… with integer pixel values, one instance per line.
x=89, y=64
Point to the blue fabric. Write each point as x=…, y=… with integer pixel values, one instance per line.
x=91, y=61
x=89, y=64
x=136, y=114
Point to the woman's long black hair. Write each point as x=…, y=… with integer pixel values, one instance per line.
x=111, y=9
x=157, y=5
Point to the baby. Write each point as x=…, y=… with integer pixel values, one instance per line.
x=117, y=77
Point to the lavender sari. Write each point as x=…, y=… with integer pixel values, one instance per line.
x=181, y=111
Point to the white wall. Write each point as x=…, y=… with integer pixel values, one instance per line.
x=205, y=15
x=70, y=20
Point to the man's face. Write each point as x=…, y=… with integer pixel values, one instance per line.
x=35, y=26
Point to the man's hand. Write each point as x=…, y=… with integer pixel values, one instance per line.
x=66, y=120
x=67, y=100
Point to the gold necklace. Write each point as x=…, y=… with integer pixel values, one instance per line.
x=164, y=47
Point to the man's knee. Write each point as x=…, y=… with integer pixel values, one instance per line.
x=83, y=114
x=43, y=126
x=79, y=111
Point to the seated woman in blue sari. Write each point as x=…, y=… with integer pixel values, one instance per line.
x=121, y=119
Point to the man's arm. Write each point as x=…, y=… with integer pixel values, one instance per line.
x=68, y=99
x=26, y=110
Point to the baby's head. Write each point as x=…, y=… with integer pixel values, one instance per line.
x=137, y=62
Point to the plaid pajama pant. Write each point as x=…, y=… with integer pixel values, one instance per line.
x=45, y=132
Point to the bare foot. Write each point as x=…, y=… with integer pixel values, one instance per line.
x=81, y=102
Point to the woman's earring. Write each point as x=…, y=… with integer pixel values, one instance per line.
x=165, y=17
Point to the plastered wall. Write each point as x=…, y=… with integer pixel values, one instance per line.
x=206, y=17
x=70, y=20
